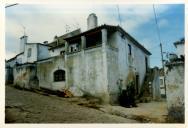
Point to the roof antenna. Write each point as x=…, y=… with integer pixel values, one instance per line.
x=119, y=14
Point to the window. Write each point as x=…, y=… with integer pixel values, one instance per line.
x=59, y=75
x=74, y=45
x=94, y=39
x=129, y=46
x=146, y=63
x=29, y=52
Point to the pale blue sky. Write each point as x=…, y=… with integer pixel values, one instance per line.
x=43, y=22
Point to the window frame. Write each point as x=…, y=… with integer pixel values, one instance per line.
x=59, y=75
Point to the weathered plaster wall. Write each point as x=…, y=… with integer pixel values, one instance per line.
x=42, y=52
x=9, y=75
x=85, y=73
x=113, y=75
x=33, y=56
x=56, y=52
x=23, y=76
x=138, y=60
x=156, y=85
x=10, y=63
x=117, y=65
x=45, y=71
x=175, y=92
x=120, y=64
x=140, y=65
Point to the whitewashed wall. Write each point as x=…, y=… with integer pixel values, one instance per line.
x=85, y=73
x=43, y=52
x=175, y=92
x=23, y=75
x=33, y=56
x=119, y=65
x=180, y=49
x=138, y=57
x=45, y=71
x=56, y=51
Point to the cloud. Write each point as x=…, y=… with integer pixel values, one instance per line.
x=43, y=22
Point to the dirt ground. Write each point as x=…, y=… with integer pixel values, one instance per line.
x=152, y=112
x=29, y=107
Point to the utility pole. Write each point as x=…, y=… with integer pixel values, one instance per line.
x=163, y=67
x=162, y=60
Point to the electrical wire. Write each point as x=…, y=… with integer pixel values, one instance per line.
x=158, y=32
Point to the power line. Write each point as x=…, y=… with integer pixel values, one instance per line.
x=158, y=32
x=11, y=5
x=159, y=36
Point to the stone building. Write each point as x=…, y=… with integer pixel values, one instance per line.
x=98, y=62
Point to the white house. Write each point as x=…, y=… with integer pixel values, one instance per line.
x=99, y=62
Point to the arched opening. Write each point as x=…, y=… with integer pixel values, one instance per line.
x=59, y=75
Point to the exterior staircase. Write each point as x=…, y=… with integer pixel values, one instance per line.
x=146, y=89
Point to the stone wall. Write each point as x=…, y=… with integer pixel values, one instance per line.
x=175, y=91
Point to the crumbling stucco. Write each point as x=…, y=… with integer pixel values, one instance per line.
x=175, y=92
x=24, y=76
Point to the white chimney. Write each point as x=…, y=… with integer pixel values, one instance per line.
x=23, y=41
x=92, y=21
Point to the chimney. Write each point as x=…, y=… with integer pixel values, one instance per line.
x=23, y=41
x=92, y=21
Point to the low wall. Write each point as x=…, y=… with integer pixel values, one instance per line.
x=175, y=92
x=45, y=73
x=25, y=76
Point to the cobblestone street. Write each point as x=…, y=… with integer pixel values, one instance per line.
x=29, y=107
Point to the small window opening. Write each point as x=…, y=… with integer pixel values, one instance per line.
x=146, y=63
x=130, y=49
x=29, y=52
x=59, y=75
